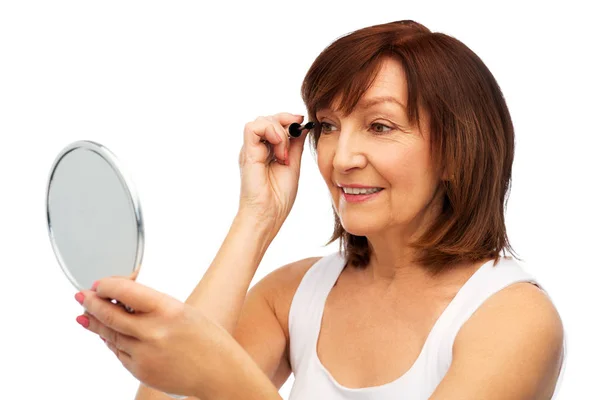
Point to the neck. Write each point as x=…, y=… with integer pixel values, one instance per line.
x=391, y=257
x=393, y=262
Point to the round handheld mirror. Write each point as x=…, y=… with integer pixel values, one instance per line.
x=94, y=217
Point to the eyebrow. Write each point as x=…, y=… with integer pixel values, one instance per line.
x=377, y=100
x=364, y=104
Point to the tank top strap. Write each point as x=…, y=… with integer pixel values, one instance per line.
x=486, y=281
x=304, y=315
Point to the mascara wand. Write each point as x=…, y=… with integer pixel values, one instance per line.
x=295, y=129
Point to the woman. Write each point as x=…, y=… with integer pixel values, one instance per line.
x=415, y=142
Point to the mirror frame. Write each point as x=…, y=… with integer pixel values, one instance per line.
x=127, y=183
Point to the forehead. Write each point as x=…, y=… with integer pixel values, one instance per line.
x=390, y=81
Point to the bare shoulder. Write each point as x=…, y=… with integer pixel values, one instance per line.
x=521, y=303
x=516, y=335
x=280, y=285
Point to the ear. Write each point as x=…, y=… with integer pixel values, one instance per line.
x=446, y=176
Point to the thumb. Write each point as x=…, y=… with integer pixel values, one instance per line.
x=296, y=149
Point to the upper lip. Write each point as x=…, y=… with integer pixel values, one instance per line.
x=355, y=185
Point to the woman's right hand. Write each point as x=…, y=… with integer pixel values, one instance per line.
x=270, y=168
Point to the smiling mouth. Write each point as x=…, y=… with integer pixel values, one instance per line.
x=360, y=191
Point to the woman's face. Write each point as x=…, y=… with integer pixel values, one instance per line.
x=375, y=147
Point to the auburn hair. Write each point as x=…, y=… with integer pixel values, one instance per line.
x=471, y=133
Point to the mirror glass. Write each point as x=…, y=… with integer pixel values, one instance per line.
x=94, y=216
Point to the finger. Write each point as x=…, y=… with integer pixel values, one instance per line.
x=286, y=119
x=109, y=314
x=121, y=341
x=259, y=137
x=295, y=145
x=281, y=148
x=135, y=295
x=255, y=132
x=259, y=131
x=296, y=149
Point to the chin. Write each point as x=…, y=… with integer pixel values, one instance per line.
x=361, y=226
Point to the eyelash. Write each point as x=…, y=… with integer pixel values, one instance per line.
x=390, y=128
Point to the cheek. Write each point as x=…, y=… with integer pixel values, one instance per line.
x=393, y=166
x=404, y=169
x=411, y=176
x=324, y=162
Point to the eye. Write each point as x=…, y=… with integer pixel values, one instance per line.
x=380, y=128
x=326, y=127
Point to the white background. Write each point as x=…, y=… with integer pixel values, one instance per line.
x=168, y=87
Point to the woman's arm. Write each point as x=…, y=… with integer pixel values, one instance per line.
x=268, y=191
x=266, y=305
x=243, y=379
x=170, y=345
x=222, y=290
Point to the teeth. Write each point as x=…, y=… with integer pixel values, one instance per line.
x=360, y=190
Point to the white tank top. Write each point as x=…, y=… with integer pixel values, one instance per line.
x=313, y=381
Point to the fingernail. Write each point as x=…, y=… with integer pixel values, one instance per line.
x=83, y=321
x=95, y=286
x=79, y=297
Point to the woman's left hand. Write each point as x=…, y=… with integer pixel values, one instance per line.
x=166, y=344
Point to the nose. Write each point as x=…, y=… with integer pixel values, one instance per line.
x=349, y=154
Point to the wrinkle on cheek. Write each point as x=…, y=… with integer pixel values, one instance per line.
x=401, y=138
x=387, y=137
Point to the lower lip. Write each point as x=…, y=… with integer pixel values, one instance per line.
x=357, y=198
